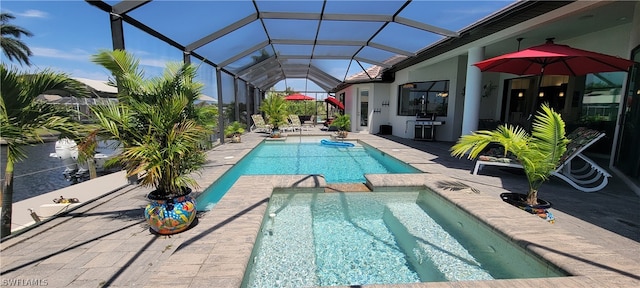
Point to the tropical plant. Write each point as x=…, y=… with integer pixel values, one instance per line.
x=156, y=123
x=87, y=147
x=207, y=115
x=12, y=46
x=276, y=110
x=342, y=122
x=302, y=107
x=234, y=128
x=538, y=153
x=22, y=117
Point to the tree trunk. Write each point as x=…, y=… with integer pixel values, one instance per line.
x=7, y=201
x=91, y=163
x=532, y=197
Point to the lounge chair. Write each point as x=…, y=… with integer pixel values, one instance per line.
x=311, y=121
x=259, y=124
x=588, y=178
x=296, y=123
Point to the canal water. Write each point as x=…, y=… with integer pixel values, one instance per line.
x=37, y=174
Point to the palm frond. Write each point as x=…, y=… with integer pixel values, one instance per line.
x=513, y=138
x=549, y=134
x=538, y=153
x=156, y=121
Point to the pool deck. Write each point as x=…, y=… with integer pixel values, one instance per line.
x=106, y=242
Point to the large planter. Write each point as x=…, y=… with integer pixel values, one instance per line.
x=170, y=216
x=520, y=200
x=275, y=133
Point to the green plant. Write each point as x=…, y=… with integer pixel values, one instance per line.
x=235, y=128
x=539, y=153
x=342, y=122
x=156, y=123
x=12, y=46
x=276, y=110
x=22, y=118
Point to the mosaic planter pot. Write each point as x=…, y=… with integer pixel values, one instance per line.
x=275, y=133
x=520, y=200
x=170, y=216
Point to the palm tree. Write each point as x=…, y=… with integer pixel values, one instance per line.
x=538, y=153
x=12, y=46
x=156, y=122
x=161, y=132
x=21, y=117
x=276, y=109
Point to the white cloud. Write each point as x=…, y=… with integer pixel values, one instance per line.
x=76, y=55
x=33, y=14
x=146, y=58
x=153, y=62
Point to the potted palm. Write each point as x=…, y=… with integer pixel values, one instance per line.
x=22, y=118
x=276, y=109
x=343, y=123
x=155, y=122
x=538, y=153
x=233, y=131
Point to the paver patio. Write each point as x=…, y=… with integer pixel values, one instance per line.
x=106, y=242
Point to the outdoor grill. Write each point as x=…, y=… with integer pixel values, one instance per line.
x=425, y=126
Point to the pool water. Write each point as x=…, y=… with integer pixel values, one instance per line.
x=329, y=239
x=336, y=164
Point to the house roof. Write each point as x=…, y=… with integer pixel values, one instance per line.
x=98, y=85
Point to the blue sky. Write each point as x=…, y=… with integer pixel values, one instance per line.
x=67, y=33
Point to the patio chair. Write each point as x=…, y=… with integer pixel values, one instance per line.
x=311, y=121
x=259, y=124
x=588, y=178
x=296, y=123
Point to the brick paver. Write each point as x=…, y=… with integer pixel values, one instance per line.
x=107, y=242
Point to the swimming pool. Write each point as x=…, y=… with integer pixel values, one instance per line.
x=328, y=239
x=308, y=157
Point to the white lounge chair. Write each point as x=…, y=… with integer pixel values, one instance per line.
x=259, y=124
x=296, y=123
x=588, y=178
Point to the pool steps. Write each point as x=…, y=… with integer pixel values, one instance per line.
x=360, y=241
x=299, y=238
x=433, y=247
x=394, y=233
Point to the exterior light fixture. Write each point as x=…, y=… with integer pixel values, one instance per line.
x=561, y=94
x=409, y=85
x=520, y=94
x=541, y=94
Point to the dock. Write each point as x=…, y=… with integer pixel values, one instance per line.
x=84, y=191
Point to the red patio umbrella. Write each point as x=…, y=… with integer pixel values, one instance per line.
x=553, y=59
x=335, y=102
x=298, y=97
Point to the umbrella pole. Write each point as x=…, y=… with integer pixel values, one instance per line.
x=535, y=99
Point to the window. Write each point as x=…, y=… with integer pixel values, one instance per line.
x=423, y=98
x=602, y=96
x=364, y=108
